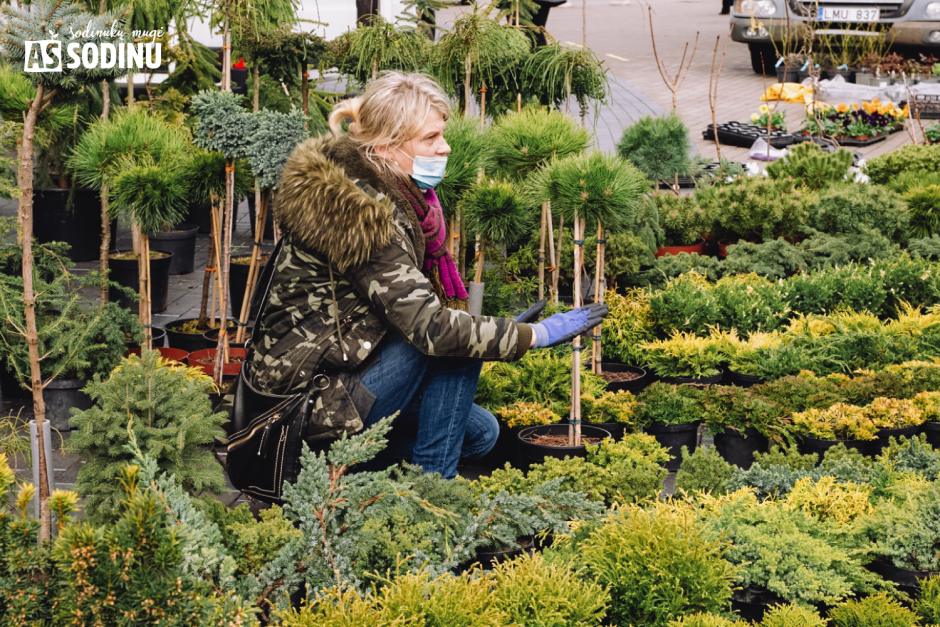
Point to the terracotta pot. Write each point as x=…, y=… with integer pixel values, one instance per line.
x=209, y=369
x=169, y=354
x=696, y=249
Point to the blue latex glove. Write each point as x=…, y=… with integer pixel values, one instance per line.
x=564, y=327
x=532, y=313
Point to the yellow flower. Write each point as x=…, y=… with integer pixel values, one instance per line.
x=842, y=108
x=764, y=109
x=754, y=117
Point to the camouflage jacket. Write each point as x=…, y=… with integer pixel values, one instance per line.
x=349, y=269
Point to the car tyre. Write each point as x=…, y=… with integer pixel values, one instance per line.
x=763, y=58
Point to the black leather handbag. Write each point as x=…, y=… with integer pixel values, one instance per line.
x=265, y=436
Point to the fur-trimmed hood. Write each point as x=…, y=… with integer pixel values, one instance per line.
x=322, y=207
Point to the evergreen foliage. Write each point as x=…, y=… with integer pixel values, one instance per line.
x=494, y=210
x=755, y=209
x=874, y=611
x=494, y=53
x=852, y=208
x=682, y=219
x=594, y=186
x=923, y=205
x=539, y=377
x=703, y=620
x=533, y=593
x=791, y=615
x=467, y=142
x=129, y=138
x=804, y=560
x=658, y=565
x=881, y=170
x=150, y=196
x=628, y=324
x=52, y=19
x=169, y=413
x=703, y=471
x=223, y=126
x=927, y=605
x=196, y=68
x=665, y=404
x=204, y=174
x=131, y=571
x=274, y=139
x=658, y=146
x=520, y=143
x=809, y=165
x=928, y=247
x=908, y=181
x=553, y=71
x=379, y=46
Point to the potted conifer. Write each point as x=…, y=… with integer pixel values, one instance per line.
x=39, y=22
x=521, y=143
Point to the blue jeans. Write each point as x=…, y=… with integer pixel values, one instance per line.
x=438, y=424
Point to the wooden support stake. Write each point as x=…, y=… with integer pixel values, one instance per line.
x=148, y=330
x=557, y=275
x=542, y=253
x=252, y=270
x=598, y=298
x=574, y=428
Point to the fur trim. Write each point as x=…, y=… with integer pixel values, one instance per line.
x=321, y=206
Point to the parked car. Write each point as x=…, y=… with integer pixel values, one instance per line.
x=762, y=23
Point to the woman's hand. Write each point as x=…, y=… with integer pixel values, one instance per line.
x=564, y=327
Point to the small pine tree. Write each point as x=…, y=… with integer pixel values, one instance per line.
x=658, y=147
x=809, y=165
x=167, y=409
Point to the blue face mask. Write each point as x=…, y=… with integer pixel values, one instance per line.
x=428, y=172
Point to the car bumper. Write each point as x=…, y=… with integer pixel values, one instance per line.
x=773, y=30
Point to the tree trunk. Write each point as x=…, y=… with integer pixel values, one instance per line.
x=25, y=215
x=226, y=55
x=143, y=281
x=561, y=235
x=467, y=88
x=105, y=216
x=252, y=270
x=221, y=355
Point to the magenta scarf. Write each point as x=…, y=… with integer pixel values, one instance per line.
x=438, y=264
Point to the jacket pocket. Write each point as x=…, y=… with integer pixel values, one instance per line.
x=334, y=413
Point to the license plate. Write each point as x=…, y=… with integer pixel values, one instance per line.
x=847, y=14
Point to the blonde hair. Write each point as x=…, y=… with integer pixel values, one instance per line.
x=392, y=111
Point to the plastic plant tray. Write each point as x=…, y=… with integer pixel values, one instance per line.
x=687, y=182
x=744, y=135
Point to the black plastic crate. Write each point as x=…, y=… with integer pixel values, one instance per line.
x=927, y=106
x=687, y=182
x=744, y=135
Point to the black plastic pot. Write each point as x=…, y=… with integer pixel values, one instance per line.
x=901, y=576
x=743, y=380
x=788, y=74
x=77, y=223
x=932, y=429
x=9, y=385
x=268, y=218
x=158, y=338
x=616, y=429
x=530, y=453
x=181, y=241
x=504, y=452
x=751, y=603
x=200, y=216
x=62, y=394
x=739, y=448
x=238, y=282
x=216, y=398
x=884, y=436
x=124, y=272
x=488, y=559
x=848, y=75
x=634, y=386
x=189, y=342
x=211, y=338
x=673, y=438
x=713, y=380
x=812, y=445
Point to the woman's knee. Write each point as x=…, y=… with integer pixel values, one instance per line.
x=481, y=434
